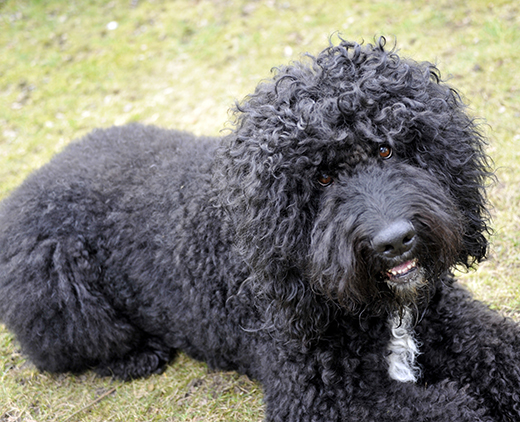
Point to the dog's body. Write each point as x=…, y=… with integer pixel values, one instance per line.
x=310, y=249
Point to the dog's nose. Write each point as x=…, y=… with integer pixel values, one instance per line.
x=394, y=239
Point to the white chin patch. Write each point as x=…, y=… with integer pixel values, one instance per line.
x=403, y=349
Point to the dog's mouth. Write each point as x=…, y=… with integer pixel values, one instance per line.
x=403, y=273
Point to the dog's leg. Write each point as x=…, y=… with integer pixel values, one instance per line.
x=307, y=400
x=465, y=341
x=149, y=358
x=331, y=384
x=51, y=303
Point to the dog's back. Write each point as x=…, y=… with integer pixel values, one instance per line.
x=78, y=243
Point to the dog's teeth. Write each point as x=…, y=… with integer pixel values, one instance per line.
x=402, y=269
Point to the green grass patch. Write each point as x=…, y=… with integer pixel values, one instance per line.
x=66, y=69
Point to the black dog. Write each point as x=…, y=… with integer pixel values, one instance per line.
x=310, y=249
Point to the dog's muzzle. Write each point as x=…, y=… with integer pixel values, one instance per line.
x=395, y=243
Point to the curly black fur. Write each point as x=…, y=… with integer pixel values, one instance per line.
x=296, y=250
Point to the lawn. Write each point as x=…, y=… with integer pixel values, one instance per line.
x=68, y=67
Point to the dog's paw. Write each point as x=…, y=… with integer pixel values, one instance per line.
x=137, y=364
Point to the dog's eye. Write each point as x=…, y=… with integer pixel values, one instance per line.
x=385, y=151
x=325, y=180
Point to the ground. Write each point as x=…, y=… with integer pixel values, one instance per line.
x=68, y=68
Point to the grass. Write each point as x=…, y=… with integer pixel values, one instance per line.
x=181, y=64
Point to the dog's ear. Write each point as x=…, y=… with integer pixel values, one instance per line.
x=451, y=146
x=267, y=187
x=268, y=203
x=265, y=174
x=469, y=189
x=269, y=206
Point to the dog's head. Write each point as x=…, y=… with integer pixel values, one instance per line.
x=357, y=176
